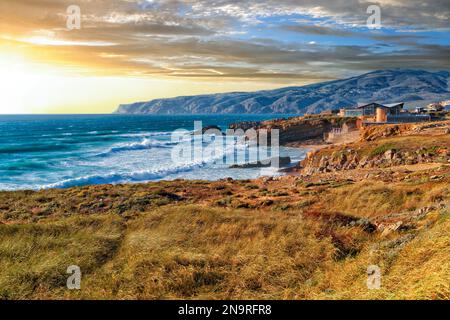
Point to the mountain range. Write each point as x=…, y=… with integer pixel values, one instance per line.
x=414, y=87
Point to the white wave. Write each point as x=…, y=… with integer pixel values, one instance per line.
x=145, y=134
x=142, y=145
x=116, y=178
x=143, y=175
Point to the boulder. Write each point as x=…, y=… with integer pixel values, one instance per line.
x=389, y=154
x=283, y=161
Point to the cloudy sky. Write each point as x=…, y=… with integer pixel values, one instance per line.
x=134, y=50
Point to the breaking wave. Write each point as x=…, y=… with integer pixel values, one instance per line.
x=116, y=178
x=142, y=145
x=142, y=175
x=146, y=134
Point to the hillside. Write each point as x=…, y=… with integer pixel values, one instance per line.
x=417, y=87
x=310, y=235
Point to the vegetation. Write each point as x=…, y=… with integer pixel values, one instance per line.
x=144, y=243
x=382, y=149
x=414, y=145
x=285, y=238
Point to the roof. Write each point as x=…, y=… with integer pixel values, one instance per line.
x=389, y=105
x=393, y=105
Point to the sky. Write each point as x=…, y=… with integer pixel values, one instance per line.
x=124, y=51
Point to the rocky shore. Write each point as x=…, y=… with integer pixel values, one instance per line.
x=312, y=234
x=389, y=146
x=297, y=129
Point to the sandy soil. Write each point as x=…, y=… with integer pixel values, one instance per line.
x=316, y=144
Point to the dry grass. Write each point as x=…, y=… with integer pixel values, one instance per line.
x=371, y=199
x=34, y=257
x=280, y=239
x=413, y=266
x=192, y=252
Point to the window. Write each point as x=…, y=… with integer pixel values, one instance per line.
x=369, y=110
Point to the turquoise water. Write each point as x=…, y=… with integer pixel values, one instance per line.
x=60, y=151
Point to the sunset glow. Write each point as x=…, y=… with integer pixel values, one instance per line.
x=127, y=51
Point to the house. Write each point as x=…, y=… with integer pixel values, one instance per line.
x=435, y=107
x=420, y=110
x=330, y=112
x=369, y=111
x=377, y=113
x=350, y=112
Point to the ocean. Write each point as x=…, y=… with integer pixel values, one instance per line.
x=61, y=151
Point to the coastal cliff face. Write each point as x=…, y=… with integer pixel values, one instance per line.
x=349, y=159
x=416, y=87
x=297, y=129
x=383, y=147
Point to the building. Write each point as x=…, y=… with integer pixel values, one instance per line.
x=328, y=112
x=370, y=111
x=438, y=106
x=435, y=107
x=420, y=110
x=377, y=113
x=380, y=112
x=350, y=112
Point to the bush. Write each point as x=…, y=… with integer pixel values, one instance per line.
x=381, y=149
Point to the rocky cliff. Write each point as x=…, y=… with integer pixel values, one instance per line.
x=296, y=129
x=384, y=147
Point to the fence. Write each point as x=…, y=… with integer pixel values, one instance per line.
x=406, y=118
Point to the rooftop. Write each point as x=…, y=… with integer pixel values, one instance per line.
x=389, y=105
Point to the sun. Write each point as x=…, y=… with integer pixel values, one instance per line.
x=16, y=80
x=29, y=87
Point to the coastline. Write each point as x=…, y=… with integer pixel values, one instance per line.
x=65, y=151
x=224, y=159
x=307, y=235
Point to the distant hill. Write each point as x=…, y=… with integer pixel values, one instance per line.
x=416, y=87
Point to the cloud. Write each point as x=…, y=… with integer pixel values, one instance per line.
x=319, y=30
x=217, y=38
x=395, y=13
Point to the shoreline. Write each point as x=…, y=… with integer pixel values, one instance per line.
x=197, y=239
x=308, y=146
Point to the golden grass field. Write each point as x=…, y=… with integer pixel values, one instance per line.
x=264, y=239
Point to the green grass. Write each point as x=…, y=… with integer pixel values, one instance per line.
x=381, y=149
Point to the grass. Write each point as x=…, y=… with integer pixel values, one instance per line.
x=193, y=252
x=415, y=269
x=211, y=253
x=185, y=251
x=381, y=149
x=384, y=199
x=34, y=257
x=283, y=239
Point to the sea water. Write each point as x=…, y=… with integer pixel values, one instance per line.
x=61, y=151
